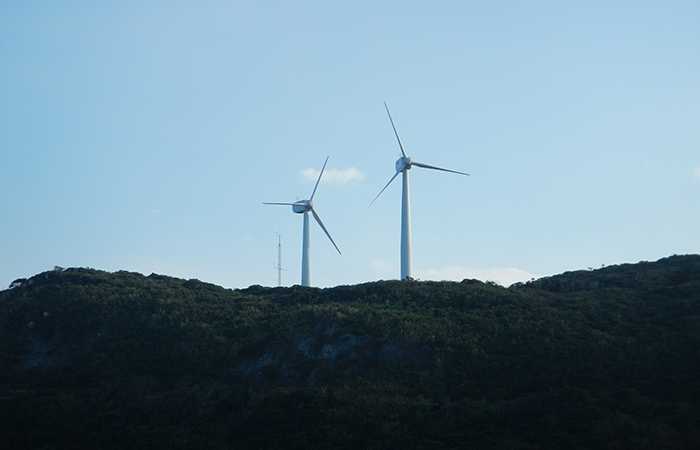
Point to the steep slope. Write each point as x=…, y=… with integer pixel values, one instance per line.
x=589, y=359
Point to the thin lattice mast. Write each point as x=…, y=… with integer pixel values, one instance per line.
x=279, y=260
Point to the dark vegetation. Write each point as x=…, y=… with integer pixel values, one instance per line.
x=606, y=359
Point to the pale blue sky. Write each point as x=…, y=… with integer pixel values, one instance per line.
x=145, y=136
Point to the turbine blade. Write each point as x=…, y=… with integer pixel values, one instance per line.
x=426, y=166
x=318, y=219
x=286, y=204
x=387, y=185
x=395, y=132
x=319, y=179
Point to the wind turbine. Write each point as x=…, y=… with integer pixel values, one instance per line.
x=403, y=165
x=304, y=207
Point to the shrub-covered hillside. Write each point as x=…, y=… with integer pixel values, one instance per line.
x=605, y=358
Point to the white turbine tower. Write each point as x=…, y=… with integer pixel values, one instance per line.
x=304, y=207
x=403, y=165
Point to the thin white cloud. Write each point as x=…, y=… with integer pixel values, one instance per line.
x=502, y=276
x=333, y=176
x=697, y=172
x=381, y=267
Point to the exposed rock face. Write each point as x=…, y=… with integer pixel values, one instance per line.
x=53, y=352
x=327, y=352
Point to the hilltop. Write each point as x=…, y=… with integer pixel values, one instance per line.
x=605, y=358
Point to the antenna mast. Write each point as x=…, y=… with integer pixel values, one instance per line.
x=279, y=260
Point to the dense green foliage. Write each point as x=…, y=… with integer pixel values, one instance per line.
x=590, y=359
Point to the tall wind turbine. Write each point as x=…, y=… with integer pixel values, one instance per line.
x=403, y=165
x=304, y=207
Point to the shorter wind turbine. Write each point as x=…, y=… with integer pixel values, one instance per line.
x=304, y=207
x=403, y=165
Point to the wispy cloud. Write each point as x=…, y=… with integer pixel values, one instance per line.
x=381, y=267
x=333, y=176
x=502, y=276
x=697, y=172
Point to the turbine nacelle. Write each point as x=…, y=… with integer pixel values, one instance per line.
x=403, y=163
x=302, y=206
